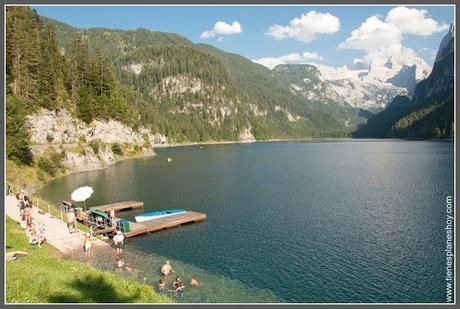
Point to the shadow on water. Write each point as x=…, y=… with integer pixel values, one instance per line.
x=92, y=289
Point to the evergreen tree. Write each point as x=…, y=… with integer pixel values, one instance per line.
x=50, y=69
x=17, y=137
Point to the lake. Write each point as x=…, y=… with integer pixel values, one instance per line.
x=310, y=222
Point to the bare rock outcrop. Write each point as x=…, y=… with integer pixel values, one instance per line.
x=61, y=127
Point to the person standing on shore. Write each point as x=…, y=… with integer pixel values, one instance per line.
x=118, y=241
x=28, y=214
x=87, y=245
x=112, y=217
x=71, y=221
x=25, y=192
x=21, y=204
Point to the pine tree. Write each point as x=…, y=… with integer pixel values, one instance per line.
x=50, y=69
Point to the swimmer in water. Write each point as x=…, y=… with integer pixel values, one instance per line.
x=194, y=282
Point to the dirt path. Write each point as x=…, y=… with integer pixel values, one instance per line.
x=56, y=231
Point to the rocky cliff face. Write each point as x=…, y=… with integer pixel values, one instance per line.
x=59, y=126
x=246, y=136
x=89, y=161
x=71, y=137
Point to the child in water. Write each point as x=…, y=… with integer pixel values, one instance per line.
x=178, y=287
x=194, y=282
x=161, y=286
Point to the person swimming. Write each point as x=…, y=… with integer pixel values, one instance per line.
x=178, y=286
x=161, y=286
x=167, y=269
x=194, y=282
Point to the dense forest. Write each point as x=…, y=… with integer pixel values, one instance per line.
x=38, y=75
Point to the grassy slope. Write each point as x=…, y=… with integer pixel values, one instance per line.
x=42, y=277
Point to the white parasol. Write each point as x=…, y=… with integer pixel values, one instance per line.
x=82, y=194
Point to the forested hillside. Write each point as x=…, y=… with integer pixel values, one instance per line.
x=39, y=76
x=158, y=81
x=199, y=93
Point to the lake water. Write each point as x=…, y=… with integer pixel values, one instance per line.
x=353, y=221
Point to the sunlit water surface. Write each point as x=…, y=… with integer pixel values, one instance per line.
x=357, y=221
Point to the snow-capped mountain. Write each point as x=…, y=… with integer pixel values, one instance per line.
x=375, y=86
x=430, y=111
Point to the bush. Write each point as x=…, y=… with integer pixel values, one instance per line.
x=50, y=164
x=95, y=145
x=47, y=165
x=49, y=138
x=116, y=149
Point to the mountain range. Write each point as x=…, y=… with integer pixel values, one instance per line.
x=191, y=92
x=429, y=112
x=209, y=90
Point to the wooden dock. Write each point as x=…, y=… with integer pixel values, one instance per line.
x=121, y=206
x=137, y=228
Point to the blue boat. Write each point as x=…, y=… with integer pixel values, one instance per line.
x=157, y=214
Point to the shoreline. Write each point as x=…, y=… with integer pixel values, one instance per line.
x=250, y=142
x=312, y=139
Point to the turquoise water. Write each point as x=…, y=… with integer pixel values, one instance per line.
x=357, y=221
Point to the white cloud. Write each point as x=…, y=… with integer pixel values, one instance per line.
x=305, y=57
x=222, y=28
x=269, y=62
x=414, y=21
x=382, y=38
x=312, y=56
x=373, y=34
x=306, y=28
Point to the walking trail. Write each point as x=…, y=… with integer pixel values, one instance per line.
x=56, y=231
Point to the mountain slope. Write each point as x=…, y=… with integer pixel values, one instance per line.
x=430, y=113
x=197, y=92
x=305, y=82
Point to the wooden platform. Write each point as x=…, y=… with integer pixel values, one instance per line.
x=104, y=231
x=137, y=228
x=121, y=206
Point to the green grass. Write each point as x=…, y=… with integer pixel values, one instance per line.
x=42, y=277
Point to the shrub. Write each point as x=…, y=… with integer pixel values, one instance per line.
x=116, y=149
x=49, y=138
x=95, y=145
x=47, y=165
x=50, y=164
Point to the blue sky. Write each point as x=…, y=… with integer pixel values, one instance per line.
x=322, y=34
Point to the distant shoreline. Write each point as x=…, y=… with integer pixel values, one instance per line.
x=325, y=139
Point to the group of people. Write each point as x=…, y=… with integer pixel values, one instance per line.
x=35, y=231
x=118, y=239
x=35, y=234
x=177, y=286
